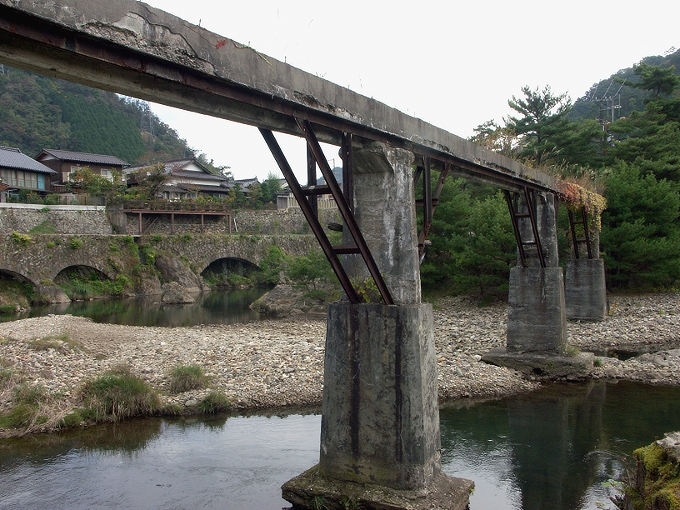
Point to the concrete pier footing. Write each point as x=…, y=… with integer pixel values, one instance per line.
x=585, y=289
x=537, y=320
x=380, y=443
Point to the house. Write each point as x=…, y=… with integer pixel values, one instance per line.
x=65, y=163
x=20, y=172
x=187, y=178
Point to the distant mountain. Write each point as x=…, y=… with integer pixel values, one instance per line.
x=37, y=112
x=598, y=101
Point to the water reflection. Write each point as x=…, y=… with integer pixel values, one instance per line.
x=215, y=463
x=215, y=307
x=556, y=448
x=551, y=449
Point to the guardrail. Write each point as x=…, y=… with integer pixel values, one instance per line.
x=167, y=205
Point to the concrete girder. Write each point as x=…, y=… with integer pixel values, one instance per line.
x=131, y=48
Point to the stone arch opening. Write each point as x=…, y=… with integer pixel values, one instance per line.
x=229, y=272
x=17, y=294
x=85, y=282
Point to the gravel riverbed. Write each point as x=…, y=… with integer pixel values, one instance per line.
x=276, y=363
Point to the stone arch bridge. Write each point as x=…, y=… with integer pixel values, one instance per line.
x=40, y=258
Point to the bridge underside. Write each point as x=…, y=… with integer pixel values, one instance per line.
x=388, y=431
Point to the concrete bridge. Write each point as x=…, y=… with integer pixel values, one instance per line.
x=40, y=258
x=380, y=443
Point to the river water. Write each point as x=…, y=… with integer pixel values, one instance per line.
x=558, y=448
x=214, y=307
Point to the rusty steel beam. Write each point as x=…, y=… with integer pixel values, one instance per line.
x=310, y=215
x=345, y=211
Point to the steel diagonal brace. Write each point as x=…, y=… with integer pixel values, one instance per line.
x=430, y=199
x=586, y=236
x=307, y=210
x=344, y=209
x=531, y=216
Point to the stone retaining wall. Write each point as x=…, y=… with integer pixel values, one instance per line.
x=271, y=222
x=97, y=220
x=65, y=219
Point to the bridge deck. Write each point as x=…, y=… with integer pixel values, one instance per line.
x=131, y=48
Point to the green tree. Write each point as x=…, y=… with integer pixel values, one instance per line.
x=237, y=196
x=496, y=138
x=543, y=116
x=96, y=185
x=473, y=246
x=543, y=134
x=269, y=189
x=310, y=271
x=655, y=79
x=640, y=235
x=150, y=181
x=651, y=138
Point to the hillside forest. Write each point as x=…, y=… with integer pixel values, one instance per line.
x=620, y=139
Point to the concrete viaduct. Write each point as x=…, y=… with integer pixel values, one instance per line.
x=40, y=258
x=380, y=444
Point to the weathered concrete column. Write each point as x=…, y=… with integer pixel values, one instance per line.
x=384, y=208
x=585, y=285
x=537, y=319
x=380, y=419
x=380, y=442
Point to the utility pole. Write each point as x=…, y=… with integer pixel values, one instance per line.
x=146, y=123
x=609, y=105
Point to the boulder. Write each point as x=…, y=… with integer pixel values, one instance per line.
x=51, y=294
x=174, y=270
x=174, y=293
x=149, y=286
x=286, y=300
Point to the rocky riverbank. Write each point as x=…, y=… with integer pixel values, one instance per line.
x=280, y=362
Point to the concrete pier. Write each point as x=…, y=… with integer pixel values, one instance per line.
x=537, y=311
x=537, y=319
x=380, y=424
x=586, y=290
x=380, y=443
x=537, y=307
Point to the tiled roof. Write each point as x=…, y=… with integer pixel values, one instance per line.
x=14, y=158
x=198, y=175
x=204, y=187
x=84, y=157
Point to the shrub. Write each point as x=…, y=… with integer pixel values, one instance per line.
x=5, y=378
x=215, y=402
x=22, y=239
x=236, y=280
x=73, y=419
x=75, y=243
x=118, y=394
x=185, y=378
x=58, y=343
x=26, y=411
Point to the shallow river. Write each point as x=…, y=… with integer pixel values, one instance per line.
x=215, y=307
x=557, y=448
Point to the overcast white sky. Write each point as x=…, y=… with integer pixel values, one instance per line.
x=452, y=63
